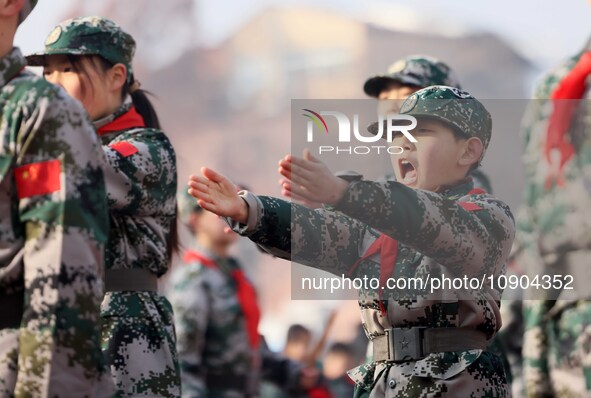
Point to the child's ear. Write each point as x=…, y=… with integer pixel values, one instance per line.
x=193, y=221
x=117, y=77
x=10, y=8
x=472, y=152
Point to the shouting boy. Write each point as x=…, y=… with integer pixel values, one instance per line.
x=431, y=223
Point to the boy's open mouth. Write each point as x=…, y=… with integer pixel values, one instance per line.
x=408, y=172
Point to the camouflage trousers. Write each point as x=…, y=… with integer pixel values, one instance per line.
x=485, y=377
x=566, y=341
x=139, y=344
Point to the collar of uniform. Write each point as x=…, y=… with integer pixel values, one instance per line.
x=205, y=252
x=125, y=107
x=11, y=65
x=226, y=264
x=460, y=189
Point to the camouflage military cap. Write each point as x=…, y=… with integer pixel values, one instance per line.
x=450, y=105
x=26, y=10
x=186, y=205
x=415, y=70
x=89, y=36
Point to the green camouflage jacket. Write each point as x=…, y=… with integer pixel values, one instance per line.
x=138, y=334
x=53, y=227
x=212, y=335
x=451, y=233
x=554, y=238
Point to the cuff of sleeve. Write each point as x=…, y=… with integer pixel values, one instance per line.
x=349, y=175
x=254, y=215
x=294, y=370
x=344, y=202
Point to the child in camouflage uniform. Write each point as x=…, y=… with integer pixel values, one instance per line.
x=554, y=231
x=221, y=353
x=403, y=78
x=432, y=223
x=91, y=58
x=53, y=228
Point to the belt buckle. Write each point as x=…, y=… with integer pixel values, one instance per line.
x=405, y=344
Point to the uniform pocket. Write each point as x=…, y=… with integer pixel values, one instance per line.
x=134, y=305
x=445, y=365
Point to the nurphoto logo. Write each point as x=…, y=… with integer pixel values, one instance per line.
x=347, y=131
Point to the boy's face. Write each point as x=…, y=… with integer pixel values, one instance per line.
x=336, y=364
x=392, y=96
x=433, y=161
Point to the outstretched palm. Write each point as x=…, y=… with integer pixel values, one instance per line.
x=217, y=194
x=309, y=180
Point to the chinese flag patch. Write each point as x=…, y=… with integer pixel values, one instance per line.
x=38, y=178
x=125, y=149
x=470, y=206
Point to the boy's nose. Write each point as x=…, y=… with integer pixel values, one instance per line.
x=407, y=145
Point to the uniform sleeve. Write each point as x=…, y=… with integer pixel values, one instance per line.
x=536, y=377
x=279, y=370
x=318, y=238
x=141, y=174
x=63, y=212
x=191, y=304
x=470, y=237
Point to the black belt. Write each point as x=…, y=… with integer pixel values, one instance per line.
x=410, y=344
x=130, y=280
x=12, y=305
x=227, y=382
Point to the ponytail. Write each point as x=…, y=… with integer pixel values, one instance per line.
x=173, y=245
x=142, y=104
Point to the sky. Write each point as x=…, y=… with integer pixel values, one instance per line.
x=543, y=30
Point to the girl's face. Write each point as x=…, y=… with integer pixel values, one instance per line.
x=91, y=86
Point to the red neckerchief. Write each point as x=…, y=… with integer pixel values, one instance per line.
x=388, y=249
x=318, y=392
x=564, y=96
x=245, y=293
x=128, y=120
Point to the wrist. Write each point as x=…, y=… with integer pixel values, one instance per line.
x=340, y=187
x=242, y=214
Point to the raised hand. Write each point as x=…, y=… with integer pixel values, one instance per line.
x=217, y=194
x=308, y=179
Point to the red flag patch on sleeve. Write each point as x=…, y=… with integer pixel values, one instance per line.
x=124, y=148
x=38, y=178
x=470, y=206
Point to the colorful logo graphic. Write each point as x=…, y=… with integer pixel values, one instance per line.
x=316, y=118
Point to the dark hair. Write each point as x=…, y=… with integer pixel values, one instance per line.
x=80, y=65
x=173, y=244
x=341, y=348
x=144, y=107
x=395, y=83
x=142, y=104
x=459, y=135
x=297, y=333
x=139, y=97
